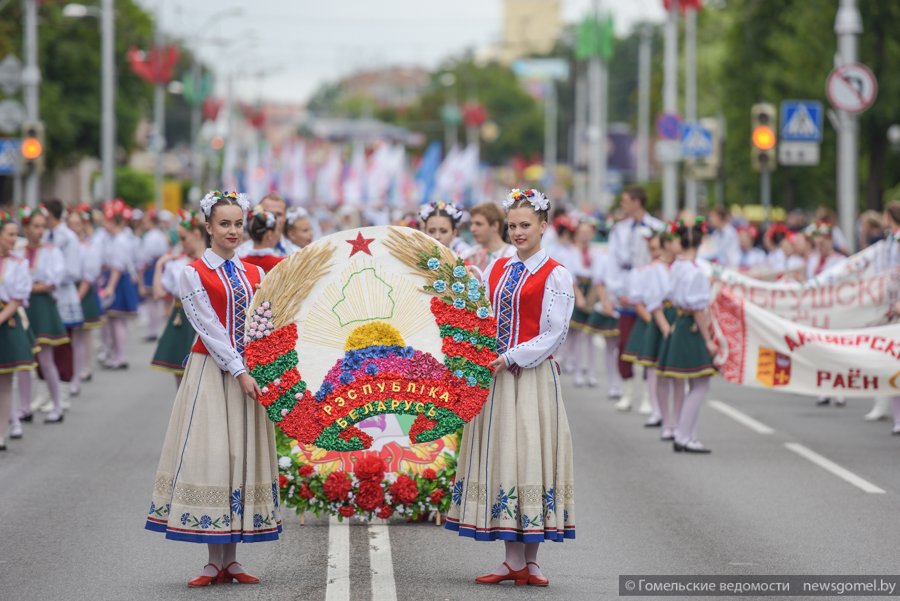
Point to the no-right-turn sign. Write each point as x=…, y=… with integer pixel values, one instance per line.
x=851, y=88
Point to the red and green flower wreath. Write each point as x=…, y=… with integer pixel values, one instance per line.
x=375, y=378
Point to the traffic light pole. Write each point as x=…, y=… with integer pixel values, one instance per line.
x=31, y=81
x=765, y=193
x=690, y=97
x=108, y=99
x=847, y=26
x=670, y=106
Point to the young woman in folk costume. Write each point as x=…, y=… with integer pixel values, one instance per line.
x=47, y=266
x=657, y=302
x=178, y=336
x=217, y=481
x=583, y=258
x=81, y=222
x=440, y=220
x=263, y=231
x=561, y=248
x=604, y=322
x=890, y=261
x=647, y=290
x=298, y=227
x=515, y=478
x=16, y=345
x=118, y=287
x=687, y=353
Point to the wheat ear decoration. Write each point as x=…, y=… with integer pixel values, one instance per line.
x=409, y=247
x=288, y=285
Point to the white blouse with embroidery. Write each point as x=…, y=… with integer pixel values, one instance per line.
x=203, y=317
x=15, y=280
x=690, y=287
x=48, y=266
x=556, y=312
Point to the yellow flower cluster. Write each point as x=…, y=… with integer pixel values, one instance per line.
x=372, y=334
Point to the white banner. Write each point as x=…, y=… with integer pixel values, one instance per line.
x=762, y=350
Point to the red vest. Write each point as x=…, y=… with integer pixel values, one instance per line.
x=221, y=295
x=527, y=299
x=267, y=262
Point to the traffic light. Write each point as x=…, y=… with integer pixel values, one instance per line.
x=763, y=136
x=32, y=147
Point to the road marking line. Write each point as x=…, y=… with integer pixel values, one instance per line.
x=740, y=417
x=337, y=587
x=381, y=564
x=834, y=468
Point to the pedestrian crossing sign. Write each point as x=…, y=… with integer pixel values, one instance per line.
x=801, y=121
x=9, y=156
x=696, y=141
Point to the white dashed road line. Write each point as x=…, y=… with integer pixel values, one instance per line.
x=338, y=583
x=742, y=418
x=381, y=564
x=834, y=468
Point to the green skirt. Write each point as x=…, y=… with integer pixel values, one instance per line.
x=175, y=343
x=90, y=306
x=16, y=348
x=45, y=321
x=633, y=344
x=581, y=317
x=648, y=355
x=683, y=353
x=602, y=324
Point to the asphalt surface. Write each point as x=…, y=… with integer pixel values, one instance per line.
x=74, y=496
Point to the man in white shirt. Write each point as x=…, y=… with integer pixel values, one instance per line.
x=275, y=204
x=153, y=245
x=726, y=241
x=486, y=225
x=628, y=250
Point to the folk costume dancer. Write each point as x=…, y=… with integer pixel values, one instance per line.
x=154, y=243
x=16, y=345
x=583, y=258
x=629, y=251
x=47, y=266
x=515, y=480
x=440, y=220
x=119, y=290
x=687, y=353
x=80, y=221
x=890, y=261
x=487, y=226
x=217, y=481
x=263, y=233
x=561, y=248
x=604, y=321
x=178, y=337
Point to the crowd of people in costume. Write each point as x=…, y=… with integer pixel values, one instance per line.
x=558, y=295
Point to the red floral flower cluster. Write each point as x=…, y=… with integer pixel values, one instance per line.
x=337, y=486
x=370, y=468
x=265, y=350
x=306, y=471
x=461, y=318
x=405, y=490
x=370, y=495
x=468, y=351
x=282, y=481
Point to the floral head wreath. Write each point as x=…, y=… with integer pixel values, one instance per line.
x=671, y=230
x=189, y=220
x=535, y=197
x=294, y=214
x=427, y=210
x=259, y=211
x=214, y=196
x=700, y=222
x=83, y=210
x=819, y=228
x=588, y=220
x=25, y=215
x=5, y=218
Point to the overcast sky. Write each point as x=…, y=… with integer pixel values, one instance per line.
x=300, y=44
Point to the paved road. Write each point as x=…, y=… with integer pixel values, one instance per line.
x=73, y=500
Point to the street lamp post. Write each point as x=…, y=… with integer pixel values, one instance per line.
x=848, y=27
x=106, y=14
x=31, y=81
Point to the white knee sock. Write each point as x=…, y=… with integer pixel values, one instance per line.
x=120, y=340
x=78, y=356
x=590, y=356
x=23, y=381
x=5, y=403
x=51, y=376
x=611, y=363
x=653, y=391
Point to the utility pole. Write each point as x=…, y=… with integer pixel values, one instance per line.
x=670, y=105
x=550, y=130
x=690, y=96
x=847, y=26
x=31, y=81
x=578, y=153
x=108, y=98
x=645, y=52
x=159, y=118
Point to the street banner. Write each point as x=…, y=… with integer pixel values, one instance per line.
x=762, y=350
x=858, y=293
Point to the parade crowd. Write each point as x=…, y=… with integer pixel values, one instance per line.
x=564, y=285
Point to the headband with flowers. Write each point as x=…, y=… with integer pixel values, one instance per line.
x=294, y=214
x=819, y=228
x=83, y=210
x=189, y=220
x=25, y=215
x=671, y=230
x=5, y=218
x=214, y=196
x=427, y=210
x=700, y=221
x=259, y=211
x=535, y=197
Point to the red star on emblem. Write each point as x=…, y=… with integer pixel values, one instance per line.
x=360, y=244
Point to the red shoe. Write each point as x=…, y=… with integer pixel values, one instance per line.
x=203, y=580
x=226, y=576
x=520, y=576
x=536, y=580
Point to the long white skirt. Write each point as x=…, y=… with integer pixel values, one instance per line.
x=217, y=480
x=515, y=479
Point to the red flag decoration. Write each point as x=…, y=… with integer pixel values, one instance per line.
x=685, y=4
x=157, y=67
x=211, y=108
x=474, y=114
